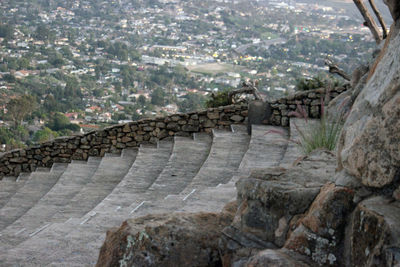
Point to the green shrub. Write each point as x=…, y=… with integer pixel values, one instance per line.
x=218, y=99
x=304, y=84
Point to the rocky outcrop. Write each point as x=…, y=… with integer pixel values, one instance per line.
x=269, y=200
x=319, y=233
x=167, y=240
x=277, y=258
x=370, y=141
x=394, y=7
x=374, y=236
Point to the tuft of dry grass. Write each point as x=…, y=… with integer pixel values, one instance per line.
x=322, y=134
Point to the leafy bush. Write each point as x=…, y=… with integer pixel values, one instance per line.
x=304, y=84
x=218, y=99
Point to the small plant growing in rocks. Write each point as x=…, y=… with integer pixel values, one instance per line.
x=318, y=134
x=321, y=134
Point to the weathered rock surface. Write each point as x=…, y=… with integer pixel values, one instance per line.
x=276, y=258
x=370, y=142
x=269, y=199
x=375, y=233
x=167, y=240
x=394, y=7
x=319, y=233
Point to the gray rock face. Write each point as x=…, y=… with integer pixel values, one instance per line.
x=269, y=199
x=375, y=234
x=275, y=258
x=166, y=240
x=318, y=234
x=370, y=142
x=394, y=7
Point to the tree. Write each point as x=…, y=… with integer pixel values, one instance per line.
x=157, y=97
x=9, y=78
x=60, y=122
x=6, y=31
x=19, y=108
x=43, y=33
x=191, y=102
x=44, y=135
x=142, y=100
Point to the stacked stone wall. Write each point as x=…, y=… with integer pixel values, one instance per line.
x=115, y=138
x=309, y=100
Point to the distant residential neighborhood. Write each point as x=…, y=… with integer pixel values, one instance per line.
x=95, y=63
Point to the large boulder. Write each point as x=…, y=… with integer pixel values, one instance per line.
x=277, y=258
x=269, y=199
x=374, y=236
x=166, y=240
x=394, y=7
x=370, y=141
x=318, y=234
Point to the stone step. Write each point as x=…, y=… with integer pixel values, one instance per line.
x=226, y=154
x=108, y=174
x=186, y=159
x=76, y=176
x=266, y=149
x=176, y=187
x=293, y=151
x=9, y=186
x=148, y=165
x=268, y=145
x=38, y=184
x=211, y=199
x=78, y=242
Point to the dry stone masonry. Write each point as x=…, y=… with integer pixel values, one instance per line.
x=310, y=100
x=116, y=138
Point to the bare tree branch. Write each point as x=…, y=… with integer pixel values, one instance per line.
x=369, y=20
x=334, y=68
x=248, y=88
x=379, y=16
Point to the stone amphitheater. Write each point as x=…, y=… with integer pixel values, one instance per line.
x=57, y=201
x=58, y=216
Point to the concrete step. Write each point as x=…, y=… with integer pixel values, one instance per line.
x=148, y=165
x=187, y=158
x=267, y=145
x=78, y=242
x=108, y=174
x=38, y=184
x=293, y=151
x=76, y=176
x=226, y=154
x=194, y=177
x=9, y=186
x=266, y=149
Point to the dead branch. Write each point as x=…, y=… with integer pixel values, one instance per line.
x=247, y=88
x=369, y=20
x=380, y=18
x=334, y=68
